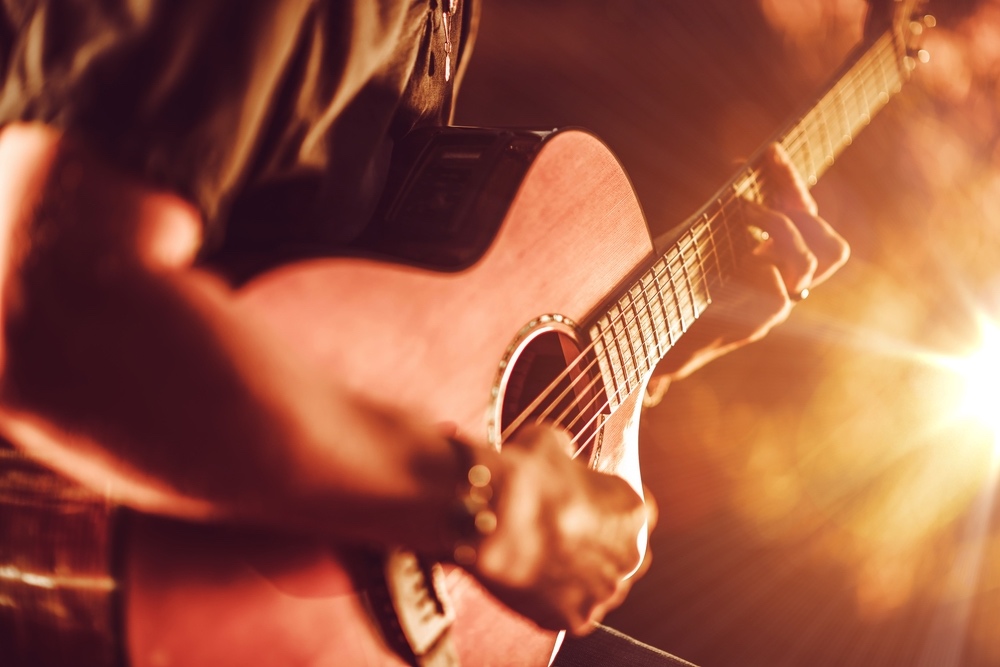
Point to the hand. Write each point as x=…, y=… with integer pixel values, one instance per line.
x=802, y=251
x=566, y=547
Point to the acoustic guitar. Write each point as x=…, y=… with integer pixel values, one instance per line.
x=515, y=268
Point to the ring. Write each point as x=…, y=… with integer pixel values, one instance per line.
x=801, y=295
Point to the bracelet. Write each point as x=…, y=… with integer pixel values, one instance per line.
x=475, y=514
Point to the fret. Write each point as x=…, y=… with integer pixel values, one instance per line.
x=622, y=387
x=714, y=249
x=637, y=297
x=826, y=141
x=749, y=186
x=638, y=292
x=856, y=82
x=863, y=86
x=729, y=233
x=844, y=119
x=743, y=219
x=701, y=267
x=673, y=292
x=601, y=351
x=650, y=316
x=883, y=94
x=795, y=150
x=647, y=327
x=679, y=272
x=900, y=53
x=609, y=335
x=632, y=336
x=650, y=283
x=900, y=57
x=658, y=270
x=891, y=71
x=688, y=284
x=650, y=333
x=810, y=173
x=891, y=63
x=623, y=345
x=849, y=103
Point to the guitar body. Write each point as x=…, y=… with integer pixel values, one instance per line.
x=460, y=347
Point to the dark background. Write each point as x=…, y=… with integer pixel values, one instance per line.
x=822, y=503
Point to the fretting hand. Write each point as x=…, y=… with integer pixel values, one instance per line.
x=801, y=251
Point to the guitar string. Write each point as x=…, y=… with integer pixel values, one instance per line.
x=666, y=322
x=882, y=62
x=800, y=135
x=617, y=336
x=616, y=339
x=799, y=139
x=855, y=72
x=595, y=414
x=650, y=340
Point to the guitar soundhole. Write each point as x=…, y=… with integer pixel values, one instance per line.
x=554, y=383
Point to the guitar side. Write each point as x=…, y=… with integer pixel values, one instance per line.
x=431, y=344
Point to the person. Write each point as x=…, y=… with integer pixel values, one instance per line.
x=145, y=145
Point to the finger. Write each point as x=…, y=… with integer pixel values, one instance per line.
x=748, y=308
x=788, y=194
x=621, y=592
x=585, y=627
x=787, y=191
x=652, y=508
x=626, y=584
x=762, y=303
x=531, y=437
x=830, y=248
x=785, y=247
x=586, y=618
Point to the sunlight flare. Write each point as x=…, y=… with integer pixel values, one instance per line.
x=980, y=372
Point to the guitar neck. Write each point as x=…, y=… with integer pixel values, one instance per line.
x=648, y=317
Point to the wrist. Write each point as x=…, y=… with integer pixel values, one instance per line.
x=474, y=516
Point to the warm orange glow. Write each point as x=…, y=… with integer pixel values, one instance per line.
x=980, y=372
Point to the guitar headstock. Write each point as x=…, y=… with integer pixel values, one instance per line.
x=908, y=20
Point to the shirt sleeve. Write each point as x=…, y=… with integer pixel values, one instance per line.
x=175, y=91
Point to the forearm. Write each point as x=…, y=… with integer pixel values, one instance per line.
x=144, y=377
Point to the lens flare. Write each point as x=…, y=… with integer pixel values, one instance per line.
x=980, y=372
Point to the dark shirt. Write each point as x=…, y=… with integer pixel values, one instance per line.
x=276, y=118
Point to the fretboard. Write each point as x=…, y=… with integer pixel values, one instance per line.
x=650, y=316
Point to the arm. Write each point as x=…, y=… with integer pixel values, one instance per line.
x=131, y=369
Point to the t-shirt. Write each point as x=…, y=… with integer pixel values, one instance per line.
x=276, y=118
